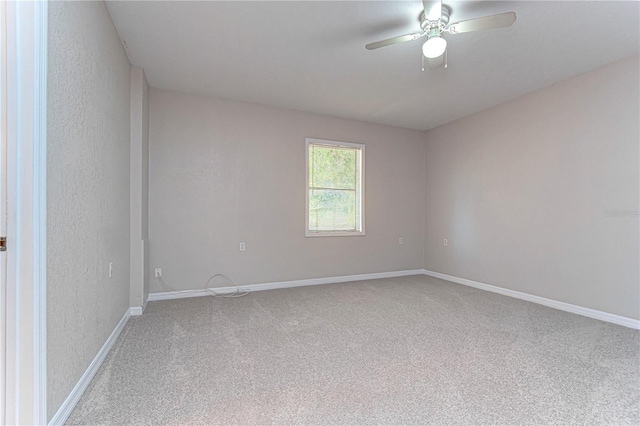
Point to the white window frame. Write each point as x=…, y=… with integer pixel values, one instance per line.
x=361, y=147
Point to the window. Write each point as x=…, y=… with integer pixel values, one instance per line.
x=335, y=188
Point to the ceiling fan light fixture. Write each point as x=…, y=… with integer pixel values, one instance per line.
x=434, y=47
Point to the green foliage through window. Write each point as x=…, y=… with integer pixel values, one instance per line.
x=335, y=198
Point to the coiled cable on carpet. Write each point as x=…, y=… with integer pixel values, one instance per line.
x=239, y=291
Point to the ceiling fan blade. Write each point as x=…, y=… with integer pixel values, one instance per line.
x=393, y=40
x=432, y=9
x=485, y=23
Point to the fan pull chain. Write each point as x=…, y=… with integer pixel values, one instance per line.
x=422, y=62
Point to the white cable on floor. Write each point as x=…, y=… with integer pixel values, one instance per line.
x=239, y=291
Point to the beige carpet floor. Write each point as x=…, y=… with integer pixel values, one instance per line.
x=411, y=350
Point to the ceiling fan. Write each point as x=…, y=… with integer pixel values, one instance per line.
x=434, y=20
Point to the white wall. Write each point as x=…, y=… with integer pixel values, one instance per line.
x=224, y=172
x=520, y=191
x=88, y=190
x=139, y=187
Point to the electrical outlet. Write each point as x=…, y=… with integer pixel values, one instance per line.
x=242, y=247
x=158, y=273
x=110, y=269
x=445, y=242
x=401, y=241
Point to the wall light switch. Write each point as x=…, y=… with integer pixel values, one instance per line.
x=401, y=241
x=445, y=242
x=110, y=269
x=158, y=273
x=242, y=247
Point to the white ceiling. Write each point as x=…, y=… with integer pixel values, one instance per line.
x=310, y=55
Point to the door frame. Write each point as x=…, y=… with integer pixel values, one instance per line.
x=25, y=390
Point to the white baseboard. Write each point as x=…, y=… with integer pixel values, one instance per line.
x=70, y=403
x=284, y=284
x=136, y=311
x=574, y=309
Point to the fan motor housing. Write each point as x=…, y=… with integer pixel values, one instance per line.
x=444, y=19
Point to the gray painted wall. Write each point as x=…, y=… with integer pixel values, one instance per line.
x=226, y=172
x=520, y=191
x=87, y=190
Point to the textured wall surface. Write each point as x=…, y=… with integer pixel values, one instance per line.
x=522, y=192
x=88, y=190
x=226, y=172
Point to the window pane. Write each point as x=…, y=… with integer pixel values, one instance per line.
x=332, y=210
x=332, y=167
x=335, y=188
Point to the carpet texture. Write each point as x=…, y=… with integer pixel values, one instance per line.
x=410, y=350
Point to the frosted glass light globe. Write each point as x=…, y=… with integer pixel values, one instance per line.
x=434, y=47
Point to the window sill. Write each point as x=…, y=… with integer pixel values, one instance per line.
x=333, y=234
